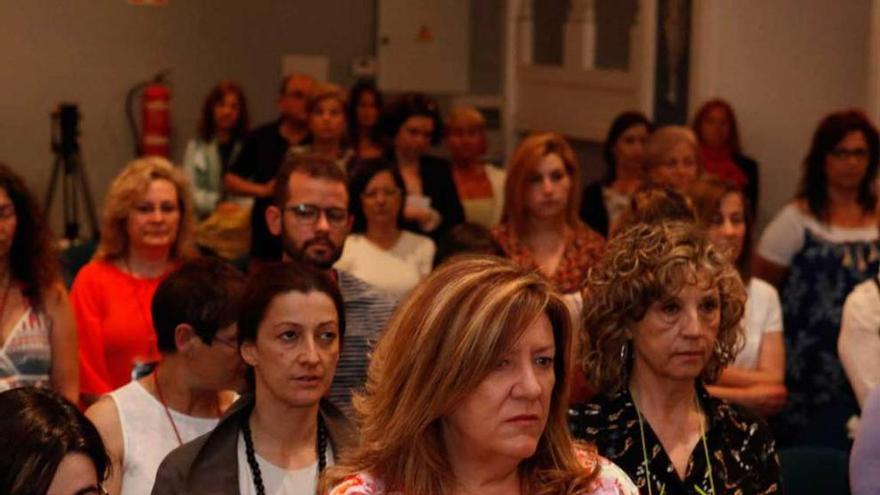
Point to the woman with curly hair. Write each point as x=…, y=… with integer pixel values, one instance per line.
x=662, y=315
x=467, y=393
x=147, y=228
x=37, y=328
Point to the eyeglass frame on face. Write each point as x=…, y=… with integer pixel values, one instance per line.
x=844, y=153
x=336, y=217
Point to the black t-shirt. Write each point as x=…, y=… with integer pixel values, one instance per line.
x=261, y=156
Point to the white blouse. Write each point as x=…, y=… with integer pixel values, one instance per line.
x=396, y=270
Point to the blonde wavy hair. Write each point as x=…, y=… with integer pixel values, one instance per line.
x=439, y=346
x=644, y=264
x=525, y=160
x=126, y=190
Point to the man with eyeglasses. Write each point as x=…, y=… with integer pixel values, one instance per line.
x=261, y=156
x=310, y=214
x=195, y=310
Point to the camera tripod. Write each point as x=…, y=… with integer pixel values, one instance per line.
x=69, y=170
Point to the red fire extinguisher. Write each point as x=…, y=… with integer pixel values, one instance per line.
x=154, y=137
x=156, y=120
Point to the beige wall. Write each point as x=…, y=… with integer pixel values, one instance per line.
x=783, y=64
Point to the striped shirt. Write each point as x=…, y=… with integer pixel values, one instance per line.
x=367, y=311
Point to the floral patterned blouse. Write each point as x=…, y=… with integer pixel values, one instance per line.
x=739, y=445
x=611, y=480
x=582, y=251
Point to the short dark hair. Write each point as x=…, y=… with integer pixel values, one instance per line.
x=467, y=238
x=275, y=279
x=204, y=293
x=314, y=165
x=40, y=427
x=361, y=176
x=832, y=129
x=411, y=105
x=619, y=125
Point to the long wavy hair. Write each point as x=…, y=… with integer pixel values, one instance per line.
x=33, y=262
x=525, y=160
x=832, y=129
x=644, y=264
x=439, y=346
x=126, y=190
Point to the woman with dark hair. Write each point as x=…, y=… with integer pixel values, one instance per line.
x=363, y=110
x=662, y=315
x=756, y=378
x=379, y=250
x=412, y=124
x=718, y=134
x=51, y=448
x=624, y=154
x=38, y=339
x=222, y=127
x=282, y=436
x=816, y=250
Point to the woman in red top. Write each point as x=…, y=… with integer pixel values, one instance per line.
x=147, y=227
x=540, y=226
x=718, y=134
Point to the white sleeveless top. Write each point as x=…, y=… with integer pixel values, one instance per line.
x=148, y=436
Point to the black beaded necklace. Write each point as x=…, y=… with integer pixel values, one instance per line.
x=321, y=447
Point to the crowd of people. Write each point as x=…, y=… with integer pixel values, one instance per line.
x=330, y=303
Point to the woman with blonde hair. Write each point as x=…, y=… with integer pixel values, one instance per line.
x=541, y=228
x=673, y=157
x=147, y=229
x=467, y=392
x=480, y=185
x=662, y=315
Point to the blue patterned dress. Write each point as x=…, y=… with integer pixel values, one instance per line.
x=820, y=400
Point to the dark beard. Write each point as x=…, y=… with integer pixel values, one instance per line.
x=302, y=255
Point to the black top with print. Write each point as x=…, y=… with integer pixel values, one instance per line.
x=741, y=448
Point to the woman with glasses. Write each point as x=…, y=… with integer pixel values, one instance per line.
x=816, y=250
x=379, y=250
x=146, y=231
x=194, y=311
x=51, y=448
x=282, y=436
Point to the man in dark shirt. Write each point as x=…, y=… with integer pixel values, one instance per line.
x=261, y=156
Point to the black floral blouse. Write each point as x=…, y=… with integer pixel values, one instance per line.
x=740, y=446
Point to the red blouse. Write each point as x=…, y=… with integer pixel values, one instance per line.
x=582, y=251
x=114, y=323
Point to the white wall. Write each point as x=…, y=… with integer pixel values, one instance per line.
x=783, y=64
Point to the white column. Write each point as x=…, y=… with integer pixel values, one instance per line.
x=579, y=47
x=525, y=30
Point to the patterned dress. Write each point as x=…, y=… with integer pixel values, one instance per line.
x=739, y=448
x=820, y=399
x=582, y=251
x=26, y=356
x=610, y=480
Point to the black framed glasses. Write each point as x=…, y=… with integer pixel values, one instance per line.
x=308, y=214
